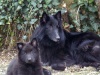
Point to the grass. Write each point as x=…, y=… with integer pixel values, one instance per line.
x=6, y=56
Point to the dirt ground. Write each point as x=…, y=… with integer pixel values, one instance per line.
x=6, y=56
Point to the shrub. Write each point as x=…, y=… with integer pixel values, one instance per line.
x=19, y=17
x=84, y=16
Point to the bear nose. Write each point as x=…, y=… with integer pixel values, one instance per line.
x=29, y=59
x=58, y=39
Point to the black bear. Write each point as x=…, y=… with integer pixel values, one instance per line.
x=51, y=38
x=84, y=48
x=28, y=61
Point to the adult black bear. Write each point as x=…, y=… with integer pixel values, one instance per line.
x=28, y=61
x=51, y=39
x=84, y=48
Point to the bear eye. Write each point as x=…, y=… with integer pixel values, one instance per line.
x=57, y=26
x=50, y=24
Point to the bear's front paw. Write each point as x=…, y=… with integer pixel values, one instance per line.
x=46, y=72
x=59, y=66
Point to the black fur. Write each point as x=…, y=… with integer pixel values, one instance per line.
x=28, y=61
x=51, y=40
x=84, y=48
x=58, y=45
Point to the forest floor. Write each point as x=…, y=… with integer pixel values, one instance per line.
x=6, y=56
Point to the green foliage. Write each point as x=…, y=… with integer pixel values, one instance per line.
x=19, y=17
x=84, y=15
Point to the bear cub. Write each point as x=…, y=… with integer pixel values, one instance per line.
x=28, y=60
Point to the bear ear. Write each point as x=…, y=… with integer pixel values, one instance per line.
x=58, y=15
x=20, y=45
x=45, y=18
x=34, y=43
